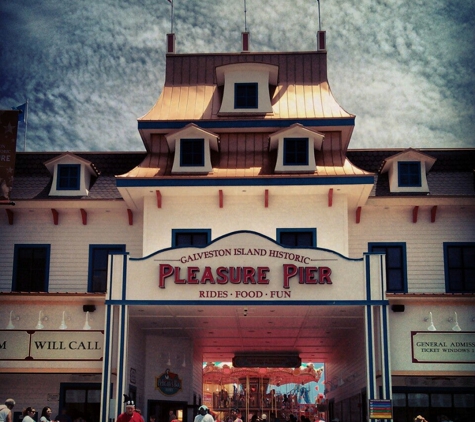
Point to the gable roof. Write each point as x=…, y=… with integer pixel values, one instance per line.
x=408, y=154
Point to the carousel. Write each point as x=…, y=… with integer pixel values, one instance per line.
x=275, y=394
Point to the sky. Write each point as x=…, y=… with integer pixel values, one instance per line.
x=90, y=68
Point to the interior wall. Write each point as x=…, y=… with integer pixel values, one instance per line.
x=345, y=370
x=136, y=363
x=159, y=351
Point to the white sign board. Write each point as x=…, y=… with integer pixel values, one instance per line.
x=51, y=345
x=240, y=266
x=443, y=347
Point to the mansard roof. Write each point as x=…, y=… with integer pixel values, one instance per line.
x=246, y=155
x=191, y=90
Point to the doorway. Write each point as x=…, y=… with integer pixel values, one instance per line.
x=163, y=410
x=81, y=401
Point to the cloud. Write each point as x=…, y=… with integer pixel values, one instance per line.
x=90, y=69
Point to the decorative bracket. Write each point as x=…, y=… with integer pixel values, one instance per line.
x=415, y=211
x=221, y=198
x=10, y=216
x=330, y=197
x=55, y=216
x=358, y=215
x=84, y=217
x=159, y=199
x=433, y=213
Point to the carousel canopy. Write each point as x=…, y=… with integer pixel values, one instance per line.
x=227, y=374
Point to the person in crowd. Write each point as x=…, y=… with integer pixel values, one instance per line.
x=420, y=418
x=130, y=415
x=46, y=414
x=6, y=410
x=63, y=416
x=238, y=416
x=29, y=414
x=140, y=413
x=171, y=415
x=203, y=415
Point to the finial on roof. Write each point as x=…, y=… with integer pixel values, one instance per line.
x=319, y=20
x=171, y=43
x=321, y=36
x=245, y=42
x=171, y=15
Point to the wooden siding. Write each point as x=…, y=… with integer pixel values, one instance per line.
x=424, y=240
x=70, y=240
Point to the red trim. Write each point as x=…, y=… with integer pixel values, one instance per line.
x=358, y=215
x=55, y=216
x=266, y=198
x=414, y=214
x=330, y=197
x=159, y=199
x=131, y=216
x=84, y=216
x=433, y=213
x=221, y=200
x=10, y=216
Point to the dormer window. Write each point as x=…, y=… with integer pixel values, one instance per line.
x=246, y=88
x=245, y=95
x=72, y=175
x=192, y=147
x=68, y=177
x=296, y=151
x=296, y=147
x=192, y=152
x=407, y=171
x=409, y=174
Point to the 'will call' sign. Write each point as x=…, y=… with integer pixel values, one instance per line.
x=51, y=345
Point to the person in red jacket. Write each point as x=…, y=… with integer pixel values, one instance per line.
x=130, y=415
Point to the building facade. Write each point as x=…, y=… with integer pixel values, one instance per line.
x=247, y=228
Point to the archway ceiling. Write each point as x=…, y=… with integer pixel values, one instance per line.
x=314, y=332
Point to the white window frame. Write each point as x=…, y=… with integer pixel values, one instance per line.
x=391, y=166
x=191, y=131
x=315, y=141
x=262, y=74
x=87, y=171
